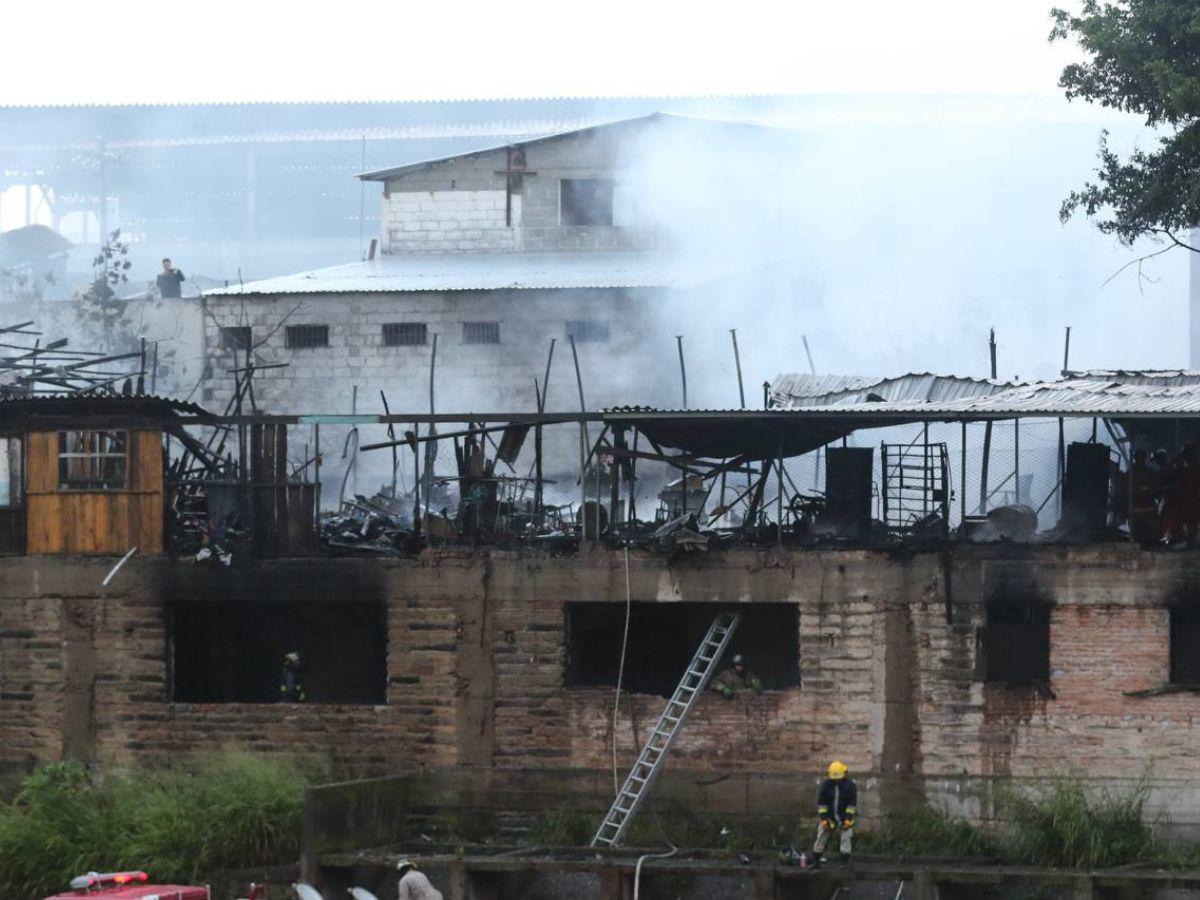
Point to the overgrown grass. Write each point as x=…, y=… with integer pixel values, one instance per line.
x=1064, y=825
x=217, y=811
x=926, y=831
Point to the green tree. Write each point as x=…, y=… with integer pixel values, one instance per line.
x=1143, y=58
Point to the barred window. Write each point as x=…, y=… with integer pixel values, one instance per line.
x=588, y=331
x=236, y=337
x=481, y=332
x=405, y=334
x=93, y=460
x=302, y=336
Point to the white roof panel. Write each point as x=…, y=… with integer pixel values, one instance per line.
x=404, y=273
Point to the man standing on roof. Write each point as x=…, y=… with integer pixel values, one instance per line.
x=837, y=805
x=413, y=884
x=736, y=677
x=170, y=280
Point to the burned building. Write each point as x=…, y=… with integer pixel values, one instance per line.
x=939, y=667
x=485, y=259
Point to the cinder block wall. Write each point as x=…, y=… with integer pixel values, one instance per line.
x=468, y=377
x=458, y=206
x=476, y=651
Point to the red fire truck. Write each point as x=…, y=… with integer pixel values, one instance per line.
x=127, y=886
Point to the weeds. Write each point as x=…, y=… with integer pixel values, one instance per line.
x=1064, y=826
x=221, y=811
x=930, y=832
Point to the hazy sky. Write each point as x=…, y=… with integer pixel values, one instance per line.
x=220, y=50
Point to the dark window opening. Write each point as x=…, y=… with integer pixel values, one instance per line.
x=405, y=334
x=588, y=331
x=236, y=337
x=481, y=332
x=663, y=638
x=232, y=651
x=586, y=201
x=299, y=337
x=1185, y=645
x=93, y=460
x=1017, y=643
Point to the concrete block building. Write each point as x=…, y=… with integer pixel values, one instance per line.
x=493, y=254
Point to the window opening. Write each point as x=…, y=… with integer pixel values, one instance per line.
x=93, y=460
x=664, y=636
x=588, y=331
x=300, y=337
x=232, y=651
x=586, y=201
x=405, y=334
x=481, y=332
x=236, y=337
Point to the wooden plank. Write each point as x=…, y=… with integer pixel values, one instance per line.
x=41, y=463
x=95, y=522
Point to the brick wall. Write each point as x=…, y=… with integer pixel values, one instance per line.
x=476, y=652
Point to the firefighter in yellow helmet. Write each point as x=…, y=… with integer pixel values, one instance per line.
x=837, y=806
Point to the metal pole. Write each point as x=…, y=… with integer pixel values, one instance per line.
x=583, y=438
x=737, y=361
x=1017, y=459
x=779, y=499
x=962, y=476
x=416, y=480
x=431, y=446
x=1067, y=353
x=682, y=368
x=538, y=495
x=987, y=435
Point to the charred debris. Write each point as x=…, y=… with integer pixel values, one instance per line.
x=913, y=461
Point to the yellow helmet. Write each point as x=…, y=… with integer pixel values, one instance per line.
x=837, y=770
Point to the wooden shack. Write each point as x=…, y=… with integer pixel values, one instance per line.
x=84, y=474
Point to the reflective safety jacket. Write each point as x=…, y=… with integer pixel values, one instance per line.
x=837, y=800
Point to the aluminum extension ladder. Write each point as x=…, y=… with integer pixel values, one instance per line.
x=670, y=723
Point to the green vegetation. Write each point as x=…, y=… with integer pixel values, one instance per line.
x=186, y=823
x=1065, y=826
x=931, y=832
x=1142, y=57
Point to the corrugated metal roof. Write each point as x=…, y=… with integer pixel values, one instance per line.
x=1159, y=377
x=1068, y=397
x=384, y=174
x=799, y=390
x=405, y=273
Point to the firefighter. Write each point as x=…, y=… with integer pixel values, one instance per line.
x=735, y=678
x=413, y=884
x=291, y=681
x=837, y=802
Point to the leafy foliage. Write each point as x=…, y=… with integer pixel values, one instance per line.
x=109, y=269
x=1144, y=59
x=220, y=811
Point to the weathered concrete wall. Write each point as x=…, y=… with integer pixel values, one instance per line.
x=118, y=327
x=469, y=377
x=476, y=650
